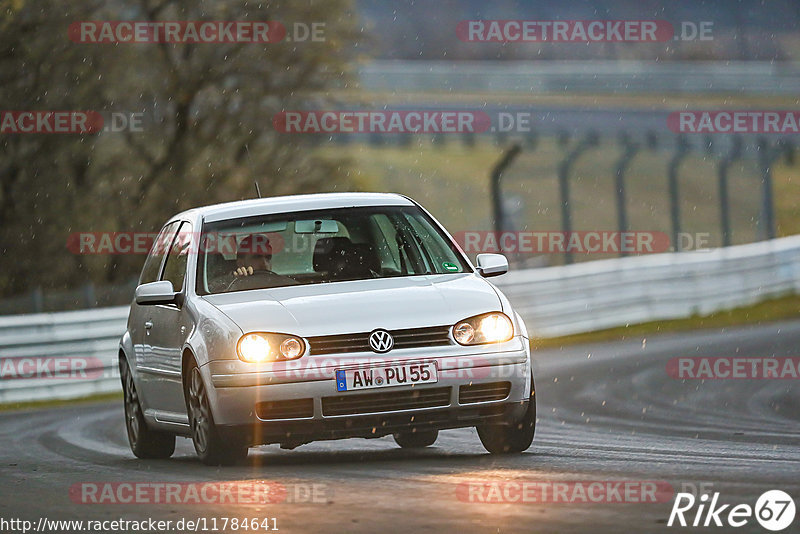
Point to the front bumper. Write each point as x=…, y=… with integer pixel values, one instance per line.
x=301, y=403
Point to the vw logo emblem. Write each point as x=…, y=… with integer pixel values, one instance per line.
x=381, y=341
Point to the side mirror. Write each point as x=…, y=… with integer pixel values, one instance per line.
x=160, y=292
x=492, y=265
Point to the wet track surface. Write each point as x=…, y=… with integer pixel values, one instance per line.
x=607, y=412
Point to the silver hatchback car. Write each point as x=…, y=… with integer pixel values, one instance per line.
x=293, y=319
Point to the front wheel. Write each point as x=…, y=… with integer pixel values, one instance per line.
x=511, y=438
x=145, y=442
x=208, y=442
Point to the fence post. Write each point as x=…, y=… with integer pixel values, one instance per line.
x=495, y=186
x=674, y=194
x=766, y=219
x=89, y=295
x=564, y=168
x=724, y=206
x=37, y=299
x=629, y=152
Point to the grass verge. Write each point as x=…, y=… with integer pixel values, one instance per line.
x=14, y=406
x=764, y=312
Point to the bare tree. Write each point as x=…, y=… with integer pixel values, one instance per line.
x=206, y=135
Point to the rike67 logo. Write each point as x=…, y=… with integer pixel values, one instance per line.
x=774, y=510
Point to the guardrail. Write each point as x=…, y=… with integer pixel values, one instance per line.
x=27, y=340
x=554, y=301
x=593, y=295
x=551, y=76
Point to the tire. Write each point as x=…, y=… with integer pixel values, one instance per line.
x=208, y=442
x=145, y=442
x=511, y=438
x=416, y=440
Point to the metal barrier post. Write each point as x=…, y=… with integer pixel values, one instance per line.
x=497, y=193
x=674, y=194
x=724, y=204
x=629, y=152
x=564, y=168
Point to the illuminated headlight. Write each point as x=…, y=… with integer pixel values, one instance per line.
x=261, y=347
x=492, y=327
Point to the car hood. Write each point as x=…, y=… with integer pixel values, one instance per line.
x=359, y=306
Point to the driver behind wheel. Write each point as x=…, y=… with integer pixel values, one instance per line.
x=253, y=255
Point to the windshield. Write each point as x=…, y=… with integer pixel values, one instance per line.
x=314, y=247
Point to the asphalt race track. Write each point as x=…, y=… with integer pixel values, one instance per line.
x=607, y=412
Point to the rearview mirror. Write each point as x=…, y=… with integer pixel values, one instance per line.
x=151, y=293
x=492, y=265
x=319, y=226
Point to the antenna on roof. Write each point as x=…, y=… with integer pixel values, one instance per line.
x=258, y=191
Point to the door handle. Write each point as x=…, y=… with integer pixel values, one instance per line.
x=148, y=324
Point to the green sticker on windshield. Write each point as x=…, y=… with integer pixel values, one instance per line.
x=452, y=267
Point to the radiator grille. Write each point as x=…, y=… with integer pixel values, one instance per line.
x=403, y=339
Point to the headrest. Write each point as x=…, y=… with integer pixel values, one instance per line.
x=330, y=252
x=255, y=244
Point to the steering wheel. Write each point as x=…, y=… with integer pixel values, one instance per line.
x=257, y=275
x=260, y=279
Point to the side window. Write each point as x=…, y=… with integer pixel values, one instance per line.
x=152, y=265
x=175, y=268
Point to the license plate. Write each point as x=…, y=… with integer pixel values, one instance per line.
x=382, y=377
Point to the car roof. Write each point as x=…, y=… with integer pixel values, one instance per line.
x=294, y=203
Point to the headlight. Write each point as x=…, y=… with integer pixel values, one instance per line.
x=492, y=327
x=258, y=347
x=291, y=348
